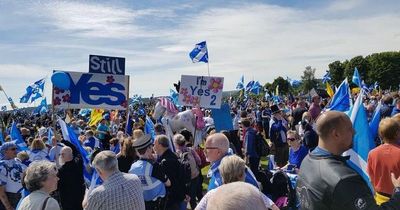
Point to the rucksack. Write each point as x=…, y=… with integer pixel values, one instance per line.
x=262, y=147
x=185, y=167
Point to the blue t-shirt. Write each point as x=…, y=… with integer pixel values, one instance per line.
x=104, y=128
x=296, y=157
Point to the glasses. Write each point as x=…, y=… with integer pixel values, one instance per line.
x=291, y=139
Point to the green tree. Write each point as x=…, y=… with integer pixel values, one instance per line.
x=308, y=79
x=362, y=66
x=336, y=70
x=385, y=69
x=283, y=86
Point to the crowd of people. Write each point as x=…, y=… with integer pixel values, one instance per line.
x=249, y=167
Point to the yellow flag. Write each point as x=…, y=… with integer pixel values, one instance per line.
x=277, y=90
x=96, y=116
x=329, y=90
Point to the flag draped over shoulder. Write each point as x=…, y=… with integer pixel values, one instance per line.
x=17, y=138
x=95, y=116
x=363, y=142
x=199, y=53
x=341, y=99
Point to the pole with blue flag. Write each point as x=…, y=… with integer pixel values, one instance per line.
x=149, y=128
x=341, y=100
x=374, y=123
x=200, y=54
x=356, y=78
x=17, y=138
x=362, y=140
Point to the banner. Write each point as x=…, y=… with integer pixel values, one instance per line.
x=224, y=117
x=106, y=65
x=88, y=90
x=201, y=91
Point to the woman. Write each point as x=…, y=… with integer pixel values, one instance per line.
x=384, y=160
x=297, y=152
x=38, y=151
x=40, y=179
x=232, y=169
x=127, y=156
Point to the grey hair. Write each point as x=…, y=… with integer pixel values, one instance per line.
x=232, y=169
x=38, y=172
x=106, y=161
x=179, y=139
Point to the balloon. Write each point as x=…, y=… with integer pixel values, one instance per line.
x=61, y=80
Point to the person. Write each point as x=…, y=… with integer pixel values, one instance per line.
x=10, y=176
x=71, y=185
x=396, y=109
x=250, y=150
x=92, y=141
x=315, y=108
x=119, y=190
x=326, y=181
x=194, y=161
x=277, y=134
x=386, y=109
x=266, y=117
x=216, y=148
x=40, y=179
x=103, y=133
x=154, y=178
x=55, y=151
x=385, y=159
x=172, y=167
x=297, y=152
x=232, y=169
x=38, y=151
x=236, y=195
x=307, y=132
x=299, y=111
x=126, y=156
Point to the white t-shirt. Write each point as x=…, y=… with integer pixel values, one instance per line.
x=36, y=155
x=10, y=175
x=55, y=150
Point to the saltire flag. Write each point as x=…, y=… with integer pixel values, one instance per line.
x=42, y=108
x=329, y=90
x=240, y=84
x=84, y=112
x=129, y=124
x=69, y=135
x=256, y=88
x=95, y=116
x=199, y=53
x=249, y=85
x=174, y=96
x=35, y=91
x=165, y=102
x=4, y=108
x=135, y=99
x=327, y=77
x=149, y=128
x=356, y=78
x=50, y=136
x=365, y=87
x=341, y=99
x=374, y=123
x=376, y=85
x=362, y=140
x=17, y=138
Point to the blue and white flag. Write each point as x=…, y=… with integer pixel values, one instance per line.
x=50, y=136
x=365, y=87
x=374, y=123
x=199, y=53
x=327, y=77
x=33, y=91
x=341, y=100
x=356, y=78
x=249, y=85
x=256, y=88
x=42, y=108
x=17, y=138
x=376, y=85
x=3, y=108
x=149, y=128
x=240, y=84
x=362, y=140
x=69, y=135
x=174, y=96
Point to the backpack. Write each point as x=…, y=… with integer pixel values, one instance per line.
x=185, y=167
x=262, y=147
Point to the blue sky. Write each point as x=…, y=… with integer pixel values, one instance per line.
x=260, y=39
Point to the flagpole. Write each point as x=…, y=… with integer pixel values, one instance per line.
x=208, y=67
x=11, y=103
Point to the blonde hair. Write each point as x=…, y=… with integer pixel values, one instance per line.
x=294, y=133
x=37, y=144
x=388, y=130
x=232, y=169
x=23, y=155
x=137, y=133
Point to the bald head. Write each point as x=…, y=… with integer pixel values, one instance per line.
x=66, y=154
x=219, y=140
x=332, y=120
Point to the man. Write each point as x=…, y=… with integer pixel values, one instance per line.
x=250, y=150
x=277, y=134
x=315, y=109
x=396, y=109
x=386, y=109
x=216, y=148
x=103, y=133
x=326, y=181
x=150, y=173
x=10, y=176
x=119, y=190
x=71, y=185
x=92, y=141
x=172, y=167
x=298, y=112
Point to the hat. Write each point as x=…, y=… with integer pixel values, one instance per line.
x=7, y=146
x=142, y=142
x=275, y=109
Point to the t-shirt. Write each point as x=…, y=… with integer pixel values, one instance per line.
x=296, y=157
x=103, y=128
x=37, y=155
x=10, y=175
x=54, y=151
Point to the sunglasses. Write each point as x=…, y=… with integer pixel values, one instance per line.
x=291, y=139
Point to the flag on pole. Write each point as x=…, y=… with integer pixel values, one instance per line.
x=95, y=116
x=327, y=77
x=149, y=128
x=42, y=108
x=362, y=140
x=199, y=53
x=256, y=88
x=249, y=85
x=329, y=89
x=374, y=123
x=17, y=138
x=356, y=78
x=341, y=99
x=129, y=124
x=4, y=108
x=240, y=84
x=33, y=91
